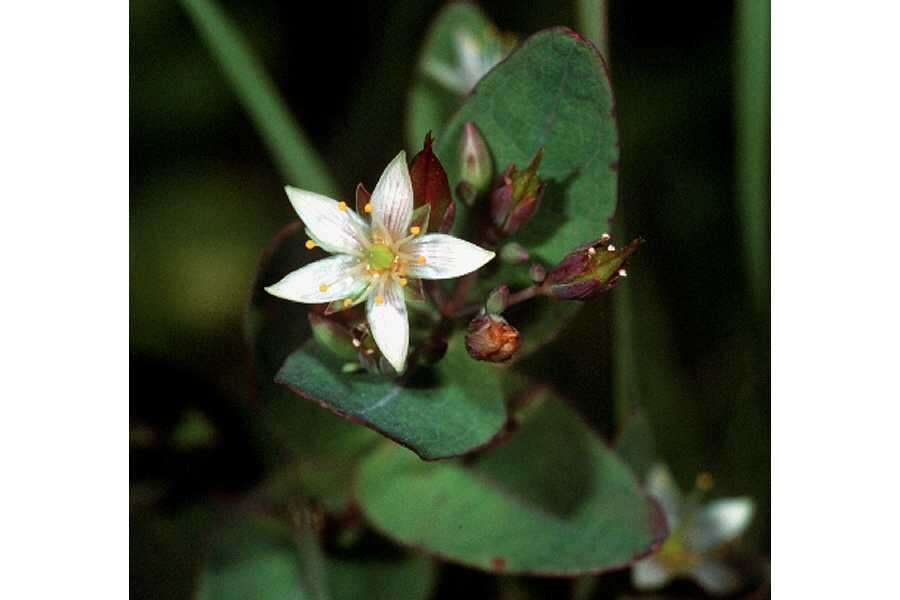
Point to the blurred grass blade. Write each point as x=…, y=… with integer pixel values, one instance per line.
x=752, y=109
x=293, y=152
x=593, y=24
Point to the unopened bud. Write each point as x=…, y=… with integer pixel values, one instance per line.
x=537, y=273
x=515, y=200
x=476, y=168
x=491, y=338
x=497, y=300
x=514, y=253
x=333, y=336
x=590, y=270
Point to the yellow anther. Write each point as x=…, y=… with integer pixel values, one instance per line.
x=415, y=229
x=310, y=244
x=323, y=287
x=368, y=207
x=348, y=302
x=421, y=260
x=342, y=205
x=402, y=281
x=379, y=300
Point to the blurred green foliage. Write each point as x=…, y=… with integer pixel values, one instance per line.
x=206, y=196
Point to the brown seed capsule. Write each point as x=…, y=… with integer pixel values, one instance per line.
x=492, y=339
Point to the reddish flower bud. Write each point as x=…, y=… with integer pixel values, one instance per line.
x=590, y=270
x=516, y=197
x=430, y=184
x=492, y=339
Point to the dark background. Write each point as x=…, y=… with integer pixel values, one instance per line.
x=205, y=198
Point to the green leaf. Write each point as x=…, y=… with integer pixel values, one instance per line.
x=293, y=152
x=430, y=104
x=260, y=558
x=636, y=444
x=553, y=500
x=406, y=578
x=257, y=559
x=451, y=409
x=551, y=93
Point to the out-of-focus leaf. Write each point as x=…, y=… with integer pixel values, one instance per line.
x=552, y=500
x=551, y=93
x=292, y=150
x=450, y=409
x=430, y=103
x=256, y=559
x=635, y=444
x=260, y=558
x=406, y=578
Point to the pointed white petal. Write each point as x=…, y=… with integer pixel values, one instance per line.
x=306, y=284
x=335, y=230
x=661, y=486
x=650, y=574
x=389, y=323
x=715, y=577
x=718, y=523
x=392, y=200
x=445, y=256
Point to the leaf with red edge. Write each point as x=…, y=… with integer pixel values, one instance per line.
x=430, y=184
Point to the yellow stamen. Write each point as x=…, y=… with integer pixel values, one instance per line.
x=704, y=482
x=368, y=207
x=342, y=206
x=310, y=244
x=402, y=281
x=348, y=302
x=379, y=300
x=323, y=287
x=421, y=260
x=415, y=229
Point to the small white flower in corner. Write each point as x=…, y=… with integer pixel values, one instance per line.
x=374, y=261
x=696, y=533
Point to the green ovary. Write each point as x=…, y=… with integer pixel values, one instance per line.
x=379, y=257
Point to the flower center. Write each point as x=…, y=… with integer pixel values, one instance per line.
x=379, y=257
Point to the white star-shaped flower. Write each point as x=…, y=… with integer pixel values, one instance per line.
x=474, y=59
x=373, y=262
x=696, y=532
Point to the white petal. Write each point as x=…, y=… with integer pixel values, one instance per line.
x=650, y=574
x=661, y=486
x=715, y=577
x=335, y=230
x=305, y=284
x=445, y=256
x=388, y=321
x=718, y=523
x=392, y=200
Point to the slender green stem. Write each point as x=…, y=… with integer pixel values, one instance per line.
x=294, y=154
x=592, y=23
x=752, y=110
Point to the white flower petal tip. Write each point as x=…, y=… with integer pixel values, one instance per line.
x=389, y=324
x=392, y=199
x=335, y=227
x=650, y=574
x=720, y=522
x=442, y=256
